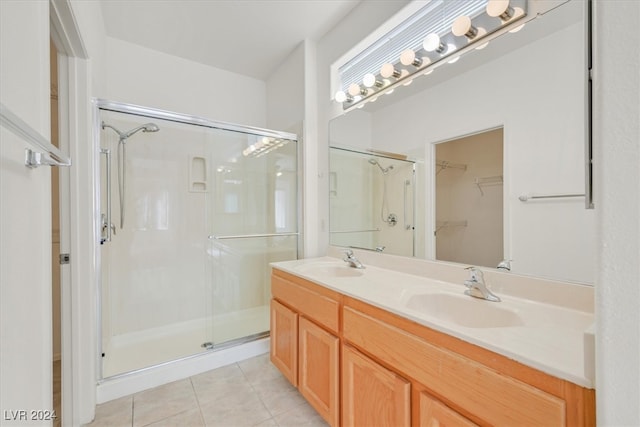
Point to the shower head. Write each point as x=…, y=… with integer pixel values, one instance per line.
x=384, y=170
x=147, y=127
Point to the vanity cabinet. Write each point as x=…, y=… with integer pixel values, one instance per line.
x=371, y=394
x=304, y=342
x=395, y=372
x=433, y=413
x=284, y=341
x=318, y=369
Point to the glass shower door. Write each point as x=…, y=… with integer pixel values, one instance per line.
x=155, y=290
x=253, y=220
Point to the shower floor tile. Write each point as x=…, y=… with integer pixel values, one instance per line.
x=248, y=393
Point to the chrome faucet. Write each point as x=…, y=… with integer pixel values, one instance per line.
x=351, y=259
x=476, y=286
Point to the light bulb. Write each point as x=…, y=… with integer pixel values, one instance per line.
x=499, y=8
x=388, y=70
x=462, y=27
x=340, y=96
x=432, y=43
x=355, y=89
x=369, y=80
x=408, y=57
x=482, y=46
x=454, y=59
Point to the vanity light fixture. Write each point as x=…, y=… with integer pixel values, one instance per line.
x=408, y=57
x=388, y=70
x=403, y=75
x=355, y=90
x=340, y=96
x=501, y=9
x=462, y=27
x=263, y=146
x=432, y=43
x=438, y=33
x=369, y=80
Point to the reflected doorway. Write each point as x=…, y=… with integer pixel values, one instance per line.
x=469, y=199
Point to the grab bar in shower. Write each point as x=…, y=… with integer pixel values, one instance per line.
x=106, y=218
x=46, y=154
x=526, y=197
x=250, y=236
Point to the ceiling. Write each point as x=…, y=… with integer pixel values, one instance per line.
x=249, y=37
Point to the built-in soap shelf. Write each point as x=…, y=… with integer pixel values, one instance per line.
x=198, y=182
x=488, y=181
x=449, y=224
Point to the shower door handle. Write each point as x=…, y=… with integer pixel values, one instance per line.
x=107, y=226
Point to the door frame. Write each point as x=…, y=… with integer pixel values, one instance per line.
x=76, y=220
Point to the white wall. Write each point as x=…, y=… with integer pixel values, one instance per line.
x=25, y=217
x=541, y=108
x=142, y=76
x=352, y=131
x=617, y=185
x=285, y=93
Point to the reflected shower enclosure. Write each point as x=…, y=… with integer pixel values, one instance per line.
x=192, y=212
x=372, y=201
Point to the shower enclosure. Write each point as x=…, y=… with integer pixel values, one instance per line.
x=192, y=213
x=372, y=201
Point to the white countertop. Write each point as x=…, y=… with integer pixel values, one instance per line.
x=554, y=338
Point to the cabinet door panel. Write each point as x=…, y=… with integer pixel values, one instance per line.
x=435, y=414
x=284, y=341
x=371, y=394
x=318, y=369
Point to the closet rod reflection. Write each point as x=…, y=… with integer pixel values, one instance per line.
x=526, y=197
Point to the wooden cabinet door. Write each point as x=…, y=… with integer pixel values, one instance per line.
x=318, y=370
x=434, y=413
x=371, y=394
x=284, y=341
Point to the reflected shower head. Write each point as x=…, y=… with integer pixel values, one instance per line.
x=147, y=127
x=384, y=170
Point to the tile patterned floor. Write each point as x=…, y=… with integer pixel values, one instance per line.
x=248, y=393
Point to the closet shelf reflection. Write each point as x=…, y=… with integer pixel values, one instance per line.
x=445, y=164
x=448, y=224
x=488, y=181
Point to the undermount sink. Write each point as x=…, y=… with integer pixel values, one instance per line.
x=464, y=310
x=329, y=270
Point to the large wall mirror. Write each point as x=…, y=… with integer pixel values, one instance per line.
x=495, y=147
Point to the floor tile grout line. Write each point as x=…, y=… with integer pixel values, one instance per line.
x=254, y=389
x=197, y=400
x=133, y=408
x=273, y=417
